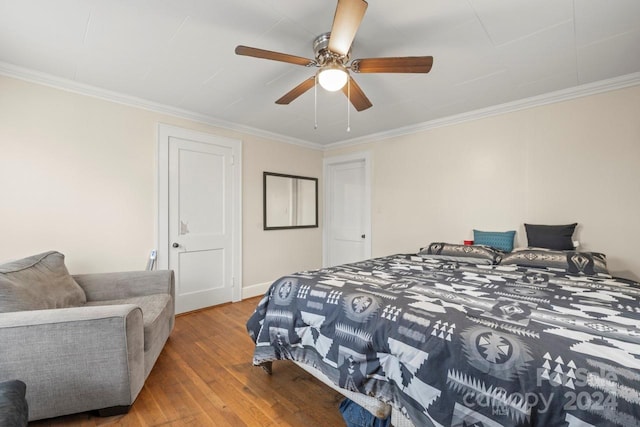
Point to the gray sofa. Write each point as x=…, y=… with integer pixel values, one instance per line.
x=82, y=342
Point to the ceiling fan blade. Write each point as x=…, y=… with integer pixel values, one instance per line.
x=297, y=91
x=275, y=56
x=406, y=64
x=358, y=98
x=349, y=14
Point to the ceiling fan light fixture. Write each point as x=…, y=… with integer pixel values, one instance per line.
x=332, y=77
x=333, y=58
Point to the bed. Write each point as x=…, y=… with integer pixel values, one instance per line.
x=465, y=337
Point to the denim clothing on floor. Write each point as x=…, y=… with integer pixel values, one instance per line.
x=356, y=416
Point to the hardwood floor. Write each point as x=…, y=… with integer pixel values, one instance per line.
x=204, y=377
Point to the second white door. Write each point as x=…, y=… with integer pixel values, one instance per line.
x=347, y=209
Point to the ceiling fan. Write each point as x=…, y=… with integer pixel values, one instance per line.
x=332, y=54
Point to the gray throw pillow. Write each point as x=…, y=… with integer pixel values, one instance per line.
x=38, y=282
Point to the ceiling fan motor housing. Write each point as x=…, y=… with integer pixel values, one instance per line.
x=322, y=53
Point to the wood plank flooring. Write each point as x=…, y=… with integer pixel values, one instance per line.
x=204, y=377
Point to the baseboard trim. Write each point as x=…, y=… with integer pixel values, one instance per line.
x=255, y=290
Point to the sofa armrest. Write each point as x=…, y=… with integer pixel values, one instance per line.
x=92, y=353
x=113, y=286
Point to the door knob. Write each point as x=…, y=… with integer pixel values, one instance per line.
x=363, y=236
x=176, y=245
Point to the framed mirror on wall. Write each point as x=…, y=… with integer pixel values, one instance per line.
x=290, y=201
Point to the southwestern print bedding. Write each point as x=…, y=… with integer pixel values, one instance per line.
x=453, y=343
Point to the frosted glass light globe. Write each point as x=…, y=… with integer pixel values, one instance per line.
x=332, y=78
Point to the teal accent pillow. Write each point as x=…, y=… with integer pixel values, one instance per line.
x=502, y=240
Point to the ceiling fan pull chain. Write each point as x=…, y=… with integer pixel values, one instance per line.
x=315, y=104
x=348, y=101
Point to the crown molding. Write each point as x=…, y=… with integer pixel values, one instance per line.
x=601, y=86
x=32, y=76
x=615, y=83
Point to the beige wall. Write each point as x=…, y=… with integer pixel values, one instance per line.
x=271, y=254
x=78, y=175
x=573, y=161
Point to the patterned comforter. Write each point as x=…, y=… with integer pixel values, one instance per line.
x=451, y=343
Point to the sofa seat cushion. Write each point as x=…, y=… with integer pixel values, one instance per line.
x=38, y=282
x=156, y=310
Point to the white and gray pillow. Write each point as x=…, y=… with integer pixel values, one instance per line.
x=574, y=262
x=475, y=254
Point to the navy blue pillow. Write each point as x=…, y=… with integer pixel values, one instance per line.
x=501, y=240
x=558, y=237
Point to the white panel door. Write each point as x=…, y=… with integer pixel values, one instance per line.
x=200, y=205
x=347, y=210
x=202, y=222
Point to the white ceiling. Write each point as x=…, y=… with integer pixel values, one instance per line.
x=180, y=54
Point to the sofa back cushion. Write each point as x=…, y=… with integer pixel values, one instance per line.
x=38, y=282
